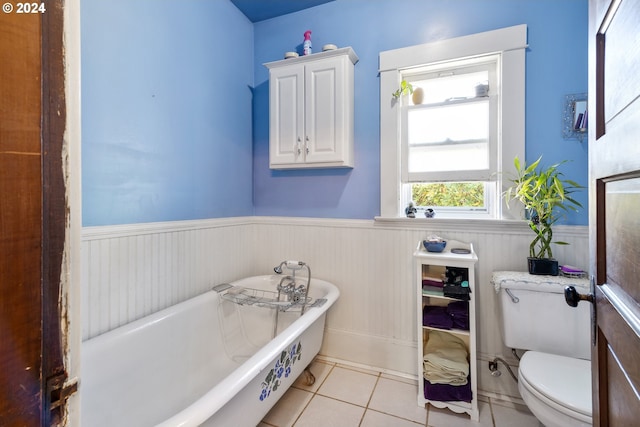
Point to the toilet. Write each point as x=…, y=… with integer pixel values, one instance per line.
x=555, y=370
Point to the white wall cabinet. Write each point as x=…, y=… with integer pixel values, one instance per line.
x=311, y=110
x=436, y=320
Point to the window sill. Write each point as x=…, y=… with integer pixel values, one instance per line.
x=457, y=224
x=504, y=226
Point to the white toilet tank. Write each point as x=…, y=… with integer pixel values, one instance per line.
x=541, y=320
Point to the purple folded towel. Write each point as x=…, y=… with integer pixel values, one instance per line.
x=432, y=282
x=447, y=392
x=459, y=312
x=459, y=307
x=436, y=317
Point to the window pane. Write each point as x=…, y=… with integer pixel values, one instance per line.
x=449, y=86
x=448, y=138
x=457, y=122
x=452, y=194
x=441, y=158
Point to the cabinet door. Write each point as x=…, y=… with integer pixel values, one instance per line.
x=326, y=109
x=286, y=121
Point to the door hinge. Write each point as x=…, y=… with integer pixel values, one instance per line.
x=59, y=390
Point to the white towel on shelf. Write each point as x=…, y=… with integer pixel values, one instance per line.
x=445, y=359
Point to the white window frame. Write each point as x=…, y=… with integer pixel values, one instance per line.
x=510, y=44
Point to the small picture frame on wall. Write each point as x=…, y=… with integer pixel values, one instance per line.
x=575, y=117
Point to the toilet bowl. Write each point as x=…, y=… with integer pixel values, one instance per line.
x=557, y=389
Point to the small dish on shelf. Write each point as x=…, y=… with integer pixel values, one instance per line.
x=434, y=245
x=460, y=251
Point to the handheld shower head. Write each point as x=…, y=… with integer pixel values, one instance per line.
x=291, y=265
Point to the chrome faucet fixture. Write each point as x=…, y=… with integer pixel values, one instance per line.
x=298, y=294
x=291, y=265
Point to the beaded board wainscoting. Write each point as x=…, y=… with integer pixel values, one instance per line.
x=131, y=271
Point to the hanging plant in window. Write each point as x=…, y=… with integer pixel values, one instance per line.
x=405, y=89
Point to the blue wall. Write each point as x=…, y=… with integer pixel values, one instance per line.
x=166, y=111
x=172, y=131
x=556, y=66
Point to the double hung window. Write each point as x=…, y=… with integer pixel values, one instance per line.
x=449, y=140
x=448, y=150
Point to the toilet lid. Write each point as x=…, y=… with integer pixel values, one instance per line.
x=564, y=380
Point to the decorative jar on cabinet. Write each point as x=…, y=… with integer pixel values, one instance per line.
x=311, y=110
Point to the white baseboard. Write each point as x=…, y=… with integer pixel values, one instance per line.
x=387, y=355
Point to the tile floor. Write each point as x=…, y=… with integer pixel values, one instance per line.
x=344, y=396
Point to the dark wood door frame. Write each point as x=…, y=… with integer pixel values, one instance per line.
x=54, y=214
x=34, y=222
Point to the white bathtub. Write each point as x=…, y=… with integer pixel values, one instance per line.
x=205, y=361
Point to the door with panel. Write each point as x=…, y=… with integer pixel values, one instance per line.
x=614, y=190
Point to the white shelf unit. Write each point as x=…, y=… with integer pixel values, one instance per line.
x=428, y=264
x=311, y=104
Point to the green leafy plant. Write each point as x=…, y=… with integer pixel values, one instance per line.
x=545, y=194
x=405, y=88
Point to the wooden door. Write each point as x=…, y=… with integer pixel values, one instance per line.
x=614, y=208
x=33, y=217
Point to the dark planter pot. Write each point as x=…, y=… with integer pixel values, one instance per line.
x=543, y=266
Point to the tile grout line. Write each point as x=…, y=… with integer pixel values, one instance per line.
x=366, y=407
x=313, y=394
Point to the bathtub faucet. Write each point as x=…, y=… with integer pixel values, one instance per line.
x=293, y=293
x=287, y=288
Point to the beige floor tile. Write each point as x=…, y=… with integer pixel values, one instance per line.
x=399, y=399
x=288, y=408
x=507, y=417
x=349, y=386
x=325, y=412
x=446, y=418
x=320, y=370
x=378, y=419
x=344, y=391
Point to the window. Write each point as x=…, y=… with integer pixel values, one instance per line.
x=449, y=151
x=449, y=140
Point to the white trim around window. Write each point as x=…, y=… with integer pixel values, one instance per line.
x=510, y=43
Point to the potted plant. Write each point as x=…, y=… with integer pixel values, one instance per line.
x=406, y=88
x=545, y=194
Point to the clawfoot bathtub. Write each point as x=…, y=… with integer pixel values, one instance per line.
x=206, y=361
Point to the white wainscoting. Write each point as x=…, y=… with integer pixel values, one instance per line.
x=131, y=271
